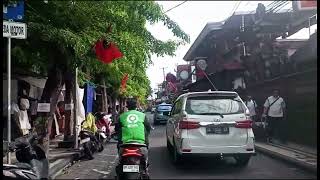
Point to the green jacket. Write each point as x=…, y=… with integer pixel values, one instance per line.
x=133, y=127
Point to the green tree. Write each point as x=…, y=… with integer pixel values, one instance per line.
x=61, y=35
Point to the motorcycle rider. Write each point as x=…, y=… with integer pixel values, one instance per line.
x=133, y=127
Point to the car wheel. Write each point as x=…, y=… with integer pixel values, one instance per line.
x=242, y=160
x=177, y=158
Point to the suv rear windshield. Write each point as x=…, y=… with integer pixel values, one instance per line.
x=207, y=105
x=164, y=108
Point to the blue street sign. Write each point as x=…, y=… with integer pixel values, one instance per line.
x=14, y=11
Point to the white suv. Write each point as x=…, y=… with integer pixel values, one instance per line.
x=210, y=123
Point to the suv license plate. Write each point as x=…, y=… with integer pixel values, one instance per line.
x=217, y=130
x=130, y=168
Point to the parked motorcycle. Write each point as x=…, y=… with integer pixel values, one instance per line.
x=103, y=124
x=90, y=143
x=32, y=160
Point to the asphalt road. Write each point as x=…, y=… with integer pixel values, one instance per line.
x=161, y=166
x=260, y=166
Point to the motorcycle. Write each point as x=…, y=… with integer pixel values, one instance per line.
x=32, y=160
x=132, y=163
x=89, y=143
x=103, y=124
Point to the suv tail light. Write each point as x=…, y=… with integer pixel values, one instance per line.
x=244, y=124
x=187, y=124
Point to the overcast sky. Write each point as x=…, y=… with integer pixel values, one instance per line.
x=192, y=16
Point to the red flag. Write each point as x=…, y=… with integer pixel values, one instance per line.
x=107, y=54
x=124, y=81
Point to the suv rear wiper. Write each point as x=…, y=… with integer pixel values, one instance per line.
x=211, y=114
x=237, y=100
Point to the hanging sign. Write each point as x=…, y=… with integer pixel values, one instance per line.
x=68, y=107
x=43, y=107
x=14, y=30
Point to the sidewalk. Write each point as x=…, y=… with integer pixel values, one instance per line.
x=60, y=158
x=98, y=168
x=302, y=156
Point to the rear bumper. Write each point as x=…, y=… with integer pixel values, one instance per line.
x=247, y=149
x=213, y=155
x=157, y=119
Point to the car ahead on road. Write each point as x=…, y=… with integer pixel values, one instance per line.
x=161, y=114
x=153, y=109
x=210, y=123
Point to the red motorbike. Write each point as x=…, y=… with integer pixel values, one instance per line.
x=103, y=123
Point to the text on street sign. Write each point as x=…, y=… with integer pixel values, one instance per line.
x=14, y=30
x=43, y=107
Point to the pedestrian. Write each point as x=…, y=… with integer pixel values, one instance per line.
x=60, y=112
x=274, y=111
x=253, y=107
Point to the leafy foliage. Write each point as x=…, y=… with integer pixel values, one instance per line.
x=64, y=32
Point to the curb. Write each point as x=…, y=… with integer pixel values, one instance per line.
x=58, y=170
x=61, y=164
x=295, y=150
x=307, y=166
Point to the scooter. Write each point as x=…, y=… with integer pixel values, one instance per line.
x=132, y=163
x=32, y=160
x=103, y=124
x=89, y=143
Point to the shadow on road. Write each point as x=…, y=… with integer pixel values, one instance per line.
x=191, y=166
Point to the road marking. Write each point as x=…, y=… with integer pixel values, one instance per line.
x=101, y=172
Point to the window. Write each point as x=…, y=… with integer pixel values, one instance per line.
x=164, y=108
x=207, y=105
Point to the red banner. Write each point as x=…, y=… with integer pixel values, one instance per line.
x=107, y=53
x=124, y=82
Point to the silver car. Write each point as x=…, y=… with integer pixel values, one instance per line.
x=161, y=114
x=210, y=123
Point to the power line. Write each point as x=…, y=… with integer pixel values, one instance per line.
x=273, y=2
x=276, y=6
x=280, y=8
x=175, y=7
x=235, y=7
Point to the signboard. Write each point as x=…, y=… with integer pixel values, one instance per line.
x=304, y=5
x=14, y=11
x=14, y=30
x=68, y=107
x=43, y=107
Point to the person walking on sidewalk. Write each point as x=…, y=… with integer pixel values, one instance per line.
x=252, y=106
x=274, y=111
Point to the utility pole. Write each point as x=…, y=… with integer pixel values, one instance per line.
x=9, y=98
x=164, y=74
